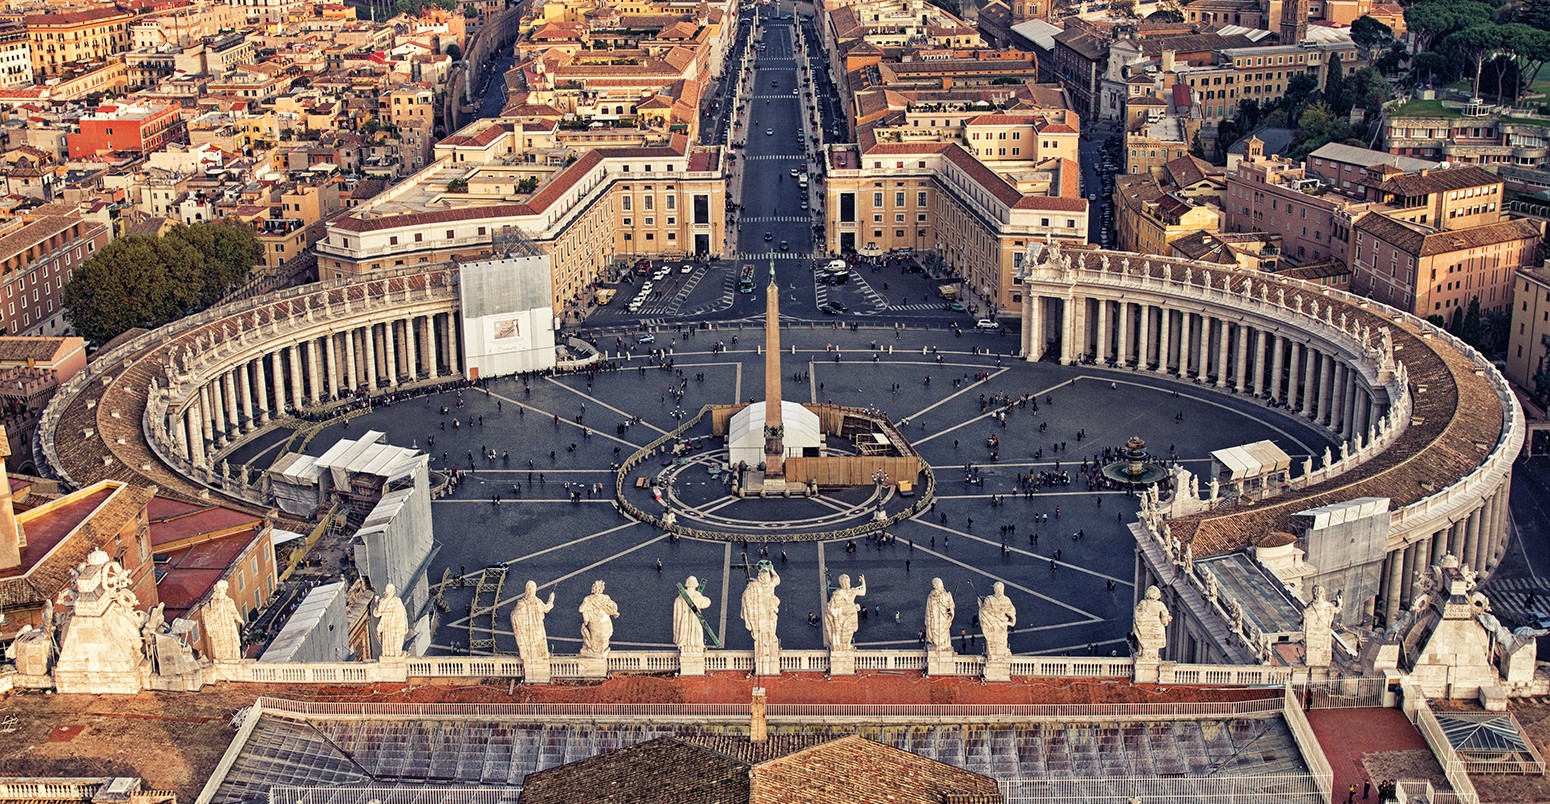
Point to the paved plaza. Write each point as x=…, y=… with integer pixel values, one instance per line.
x=555, y=436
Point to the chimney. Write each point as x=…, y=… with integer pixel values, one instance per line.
x=12, y=540
x=758, y=729
x=1167, y=61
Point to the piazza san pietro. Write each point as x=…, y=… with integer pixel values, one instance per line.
x=1131, y=401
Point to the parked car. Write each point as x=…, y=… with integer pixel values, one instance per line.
x=986, y=323
x=647, y=338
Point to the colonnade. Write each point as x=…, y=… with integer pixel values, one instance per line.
x=309, y=370
x=1478, y=538
x=1229, y=351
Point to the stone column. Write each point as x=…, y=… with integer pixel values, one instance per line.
x=1164, y=339
x=1101, y=351
x=1123, y=355
x=1278, y=367
x=1223, y=342
x=411, y=351
x=454, y=354
x=428, y=332
x=1186, y=323
x=351, y=377
x=1321, y=388
x=1262, y=346
x=296, y=382
x=198, y=431
x=245, y=397
x=370, y=375
x=1203, y=351
x=1026, y=316
x=1456, y=540
x=1472, y=540
x=1068, y=347
x=229, y=410
x=1242, y=383
x=1310, y=358
x=315, y=387
x=390, y=339
x=1393, y=587
x=331, y=366
x=1363, y=409
x=261, y=388
x=1407, y=582
x=1144, y=347
x=1439, y=546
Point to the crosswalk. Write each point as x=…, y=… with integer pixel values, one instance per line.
x=776, y=158
x=777, y=219
x=773, y=255
x=1510, y=599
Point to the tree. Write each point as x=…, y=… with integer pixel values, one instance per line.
x=1166, y=15
x=1470, y=330
x=454, y=52
x=1432, y=65
x=1431, y=21
x=141, y=281
x=1531, y=46
x=1197, y=148
x=1475, y=45
x=1249, y=112
x=457, y=186
x=1370, y=34
x=1334, y=85
x=1298, y=91
x=1392, y=59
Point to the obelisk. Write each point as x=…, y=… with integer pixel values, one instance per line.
x=774, y=426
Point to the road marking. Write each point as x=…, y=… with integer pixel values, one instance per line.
x=1094, y=573
x=600, y=403
x=1092, y=618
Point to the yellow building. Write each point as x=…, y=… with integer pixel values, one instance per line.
x=61, y=39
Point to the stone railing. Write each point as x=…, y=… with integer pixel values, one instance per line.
x=791, y=661
x=51, y=788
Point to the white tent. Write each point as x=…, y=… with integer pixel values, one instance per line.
x=745, y=436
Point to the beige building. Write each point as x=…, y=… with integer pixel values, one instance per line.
x=412, y=111
x=586, y=211
x=1528, y=348
x=64, y=38
x=15, y=58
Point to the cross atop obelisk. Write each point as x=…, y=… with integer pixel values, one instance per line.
x=774, y=425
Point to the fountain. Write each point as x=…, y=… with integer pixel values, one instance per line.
x=1135, y=466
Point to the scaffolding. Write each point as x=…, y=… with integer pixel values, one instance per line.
x=481, y=612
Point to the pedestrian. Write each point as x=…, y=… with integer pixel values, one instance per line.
x=1351, y=796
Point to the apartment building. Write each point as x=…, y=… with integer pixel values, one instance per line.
x=63, y=38
x=1430, y=271
x=131, y=128
x=1275, y=195
x=1515, y=148
x=412, y=111
x=15, y=57
x=36, y=260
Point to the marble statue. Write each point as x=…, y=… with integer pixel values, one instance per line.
x=1188, y=559
x=1212, y=589
x=1307, y=466
x=392, y=622
x=1215, y=487
x=839, y=617
x=1318, y=629
x=527, y=624
x=100, y=644
x=687, y=631
x=997, y=618
x=32, y=651
x=761, y=610
x=1150, y=627
x=222, y=626
x=940, y=609
x=598, y=611
x=1236, y=611
x=1329, y=458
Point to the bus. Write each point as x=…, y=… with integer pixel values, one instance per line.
x=745, y=281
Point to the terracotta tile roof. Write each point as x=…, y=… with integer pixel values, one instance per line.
x=74, y=17
x=16, y=349
x=1436, y=181
x=1412, y=239
x=60, y=538
x=781, y=770
x=1455, y=414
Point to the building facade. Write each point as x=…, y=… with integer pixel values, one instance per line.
x=65, y=38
